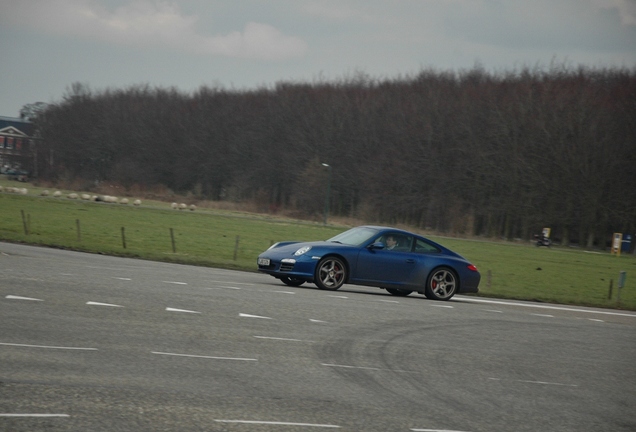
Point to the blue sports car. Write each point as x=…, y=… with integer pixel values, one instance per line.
x=399, y=261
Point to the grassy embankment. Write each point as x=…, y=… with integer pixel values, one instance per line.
x=209, y=238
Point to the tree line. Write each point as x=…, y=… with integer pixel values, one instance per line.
x=499, y=154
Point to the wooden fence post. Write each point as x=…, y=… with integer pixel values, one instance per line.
x=24, y=223
x=174, y=247
x=236, y=246
x=79, y=231
x=123, y=237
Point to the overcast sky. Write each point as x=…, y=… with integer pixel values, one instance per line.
x=47, y=45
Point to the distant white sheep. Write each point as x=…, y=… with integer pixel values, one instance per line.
x=1, y=188
x=23, y=191
x=193, y=207
x=182, y=206
x=137, y=202
x=86, y=197
x=72, y=195
x=44, y=193
x=174, y=206
x=57, y=194
x=123, y=201
x=106, y=198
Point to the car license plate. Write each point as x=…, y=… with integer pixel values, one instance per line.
x=263, y=261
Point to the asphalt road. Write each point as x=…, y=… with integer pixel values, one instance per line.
x=98, y=343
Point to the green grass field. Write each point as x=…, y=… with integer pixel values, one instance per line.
x=210, y=238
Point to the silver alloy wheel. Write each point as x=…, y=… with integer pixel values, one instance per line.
x=331, y=273
x=442, y=284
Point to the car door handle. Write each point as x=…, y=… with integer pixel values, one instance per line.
x=410, y=261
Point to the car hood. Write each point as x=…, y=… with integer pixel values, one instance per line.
x=290, y=247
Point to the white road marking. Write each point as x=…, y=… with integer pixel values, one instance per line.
x=548, y=383
x=226, y=287
x=12, y=297
x=278, y=423
x=537, y=382
x=493, y=310
x=235, y=283
x=122, y=278
x=252, y=316
x=34, y=415
x=543, y=306
x=388, y=301
x=90, y=303
x=282, y=339
x=181, y=310
x=543, y=315
x=594, y=319
x=335, y=296
x=364, y=368
x=316, y=321
x=435, y=430
x=202, y=356
x=48, y=347
x=175, y=283
x=443, y=306
x=285, y=292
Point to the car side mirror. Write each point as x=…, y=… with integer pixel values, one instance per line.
x=376, y=245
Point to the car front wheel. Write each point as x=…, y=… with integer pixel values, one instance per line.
x=442, y=284
x=292, y=281
x=331, y=273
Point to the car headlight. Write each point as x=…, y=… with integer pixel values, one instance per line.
x=302, y=250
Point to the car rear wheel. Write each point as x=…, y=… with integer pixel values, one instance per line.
x=331, y=273
x=398, y=292
x=292, y=281
x=442, y=284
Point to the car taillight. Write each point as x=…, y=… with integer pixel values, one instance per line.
x=471, y=267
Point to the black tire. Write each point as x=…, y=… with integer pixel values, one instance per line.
x=292, y=281
x=442, y=284
x=398, y=292
x=331, y=273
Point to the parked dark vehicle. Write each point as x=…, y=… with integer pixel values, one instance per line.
x=17, y=174
x=396, y=260
x=542, y=240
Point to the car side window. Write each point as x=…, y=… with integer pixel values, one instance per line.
x=396, y=242
x=423, y=247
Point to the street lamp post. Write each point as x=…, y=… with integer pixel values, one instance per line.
x=328, y=192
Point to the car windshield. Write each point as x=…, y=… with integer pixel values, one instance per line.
x=355, y=236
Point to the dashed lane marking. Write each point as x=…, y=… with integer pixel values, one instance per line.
x=175, y=282
x=13, y=297
x=169, y=309
x=256, y=422
x=282, y=339
x=544, y=306
x=537, y=382
x=34, y=415
x=91, y=303
x=204, y=357
x=48, y=347
x=242, y=315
